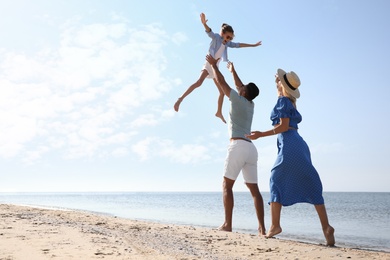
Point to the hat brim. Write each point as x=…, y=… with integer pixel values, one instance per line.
x=294, y=93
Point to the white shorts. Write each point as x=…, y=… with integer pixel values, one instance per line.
x=242, y=155
x=209, y=69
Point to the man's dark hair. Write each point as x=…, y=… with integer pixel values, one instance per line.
x=252, y=91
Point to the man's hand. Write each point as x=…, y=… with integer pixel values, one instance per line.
x=230, y=66
x=203, y=18
x=220, y=80
x=210, y=59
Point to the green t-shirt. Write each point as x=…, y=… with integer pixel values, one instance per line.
x=241, y=115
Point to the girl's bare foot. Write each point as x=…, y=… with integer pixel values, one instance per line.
x=329, y=236
x=224, y=227
x=219, y=114
x=177, y=104
x=273, y=231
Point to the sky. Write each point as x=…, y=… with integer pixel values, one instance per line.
x=87, y=90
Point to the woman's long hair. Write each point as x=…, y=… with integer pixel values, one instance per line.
x=287, y=95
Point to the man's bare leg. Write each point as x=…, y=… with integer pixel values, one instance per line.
x=259, y=206
x=228, y=203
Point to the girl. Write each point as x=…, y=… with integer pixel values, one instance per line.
x=218, y=49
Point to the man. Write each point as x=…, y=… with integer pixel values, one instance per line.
x=242, y=154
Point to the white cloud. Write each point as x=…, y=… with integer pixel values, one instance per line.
x=187, y=153
x=152, y=119
x=74, y=99
x=94, y=34
x=164, y=148
x=179, y=38
x=142, y=148
x=32, y=156
x=145, y=120
x=120, y=152
x=15, y=132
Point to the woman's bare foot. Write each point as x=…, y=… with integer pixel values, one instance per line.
x=273, y=231
x=177, y=104
x=329, y=236
x=225, y=228
x=219, y=114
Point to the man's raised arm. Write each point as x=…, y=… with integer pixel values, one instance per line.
x=218, y=76
x=237, y=80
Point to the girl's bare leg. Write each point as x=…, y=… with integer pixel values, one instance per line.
x=191, y=88
x=326, y=228
x=275, y=228
x=220, y=103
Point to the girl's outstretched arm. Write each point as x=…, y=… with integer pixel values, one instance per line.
x=204, y=22
x=249, y=45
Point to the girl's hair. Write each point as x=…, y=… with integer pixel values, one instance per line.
x=227, y=28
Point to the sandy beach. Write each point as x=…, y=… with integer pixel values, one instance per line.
x=35, y=233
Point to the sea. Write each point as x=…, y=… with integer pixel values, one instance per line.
x=361, y=219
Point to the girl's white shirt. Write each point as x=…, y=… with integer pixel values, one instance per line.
x=218, y=55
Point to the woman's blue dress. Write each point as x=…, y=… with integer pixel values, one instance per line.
x=293, y=176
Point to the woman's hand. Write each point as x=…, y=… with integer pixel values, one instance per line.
x=254, y=135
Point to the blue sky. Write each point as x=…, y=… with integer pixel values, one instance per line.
x=88, y=87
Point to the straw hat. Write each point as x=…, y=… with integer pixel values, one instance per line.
x=290, y=82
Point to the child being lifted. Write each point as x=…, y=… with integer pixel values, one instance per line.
x=218, y=49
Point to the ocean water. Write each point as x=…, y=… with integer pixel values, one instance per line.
x=361, y=219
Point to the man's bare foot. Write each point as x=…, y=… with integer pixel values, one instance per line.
x=329, y=236
x=219, y=114
x=225, y=228
x=261, y=232
x=177, y=104
x=273, y=231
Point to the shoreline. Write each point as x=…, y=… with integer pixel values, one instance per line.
x=41, y=233
x=283, y=236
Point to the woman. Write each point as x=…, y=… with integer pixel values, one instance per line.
x=293, y=176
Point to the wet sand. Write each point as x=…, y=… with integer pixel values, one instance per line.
x=35, y=233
